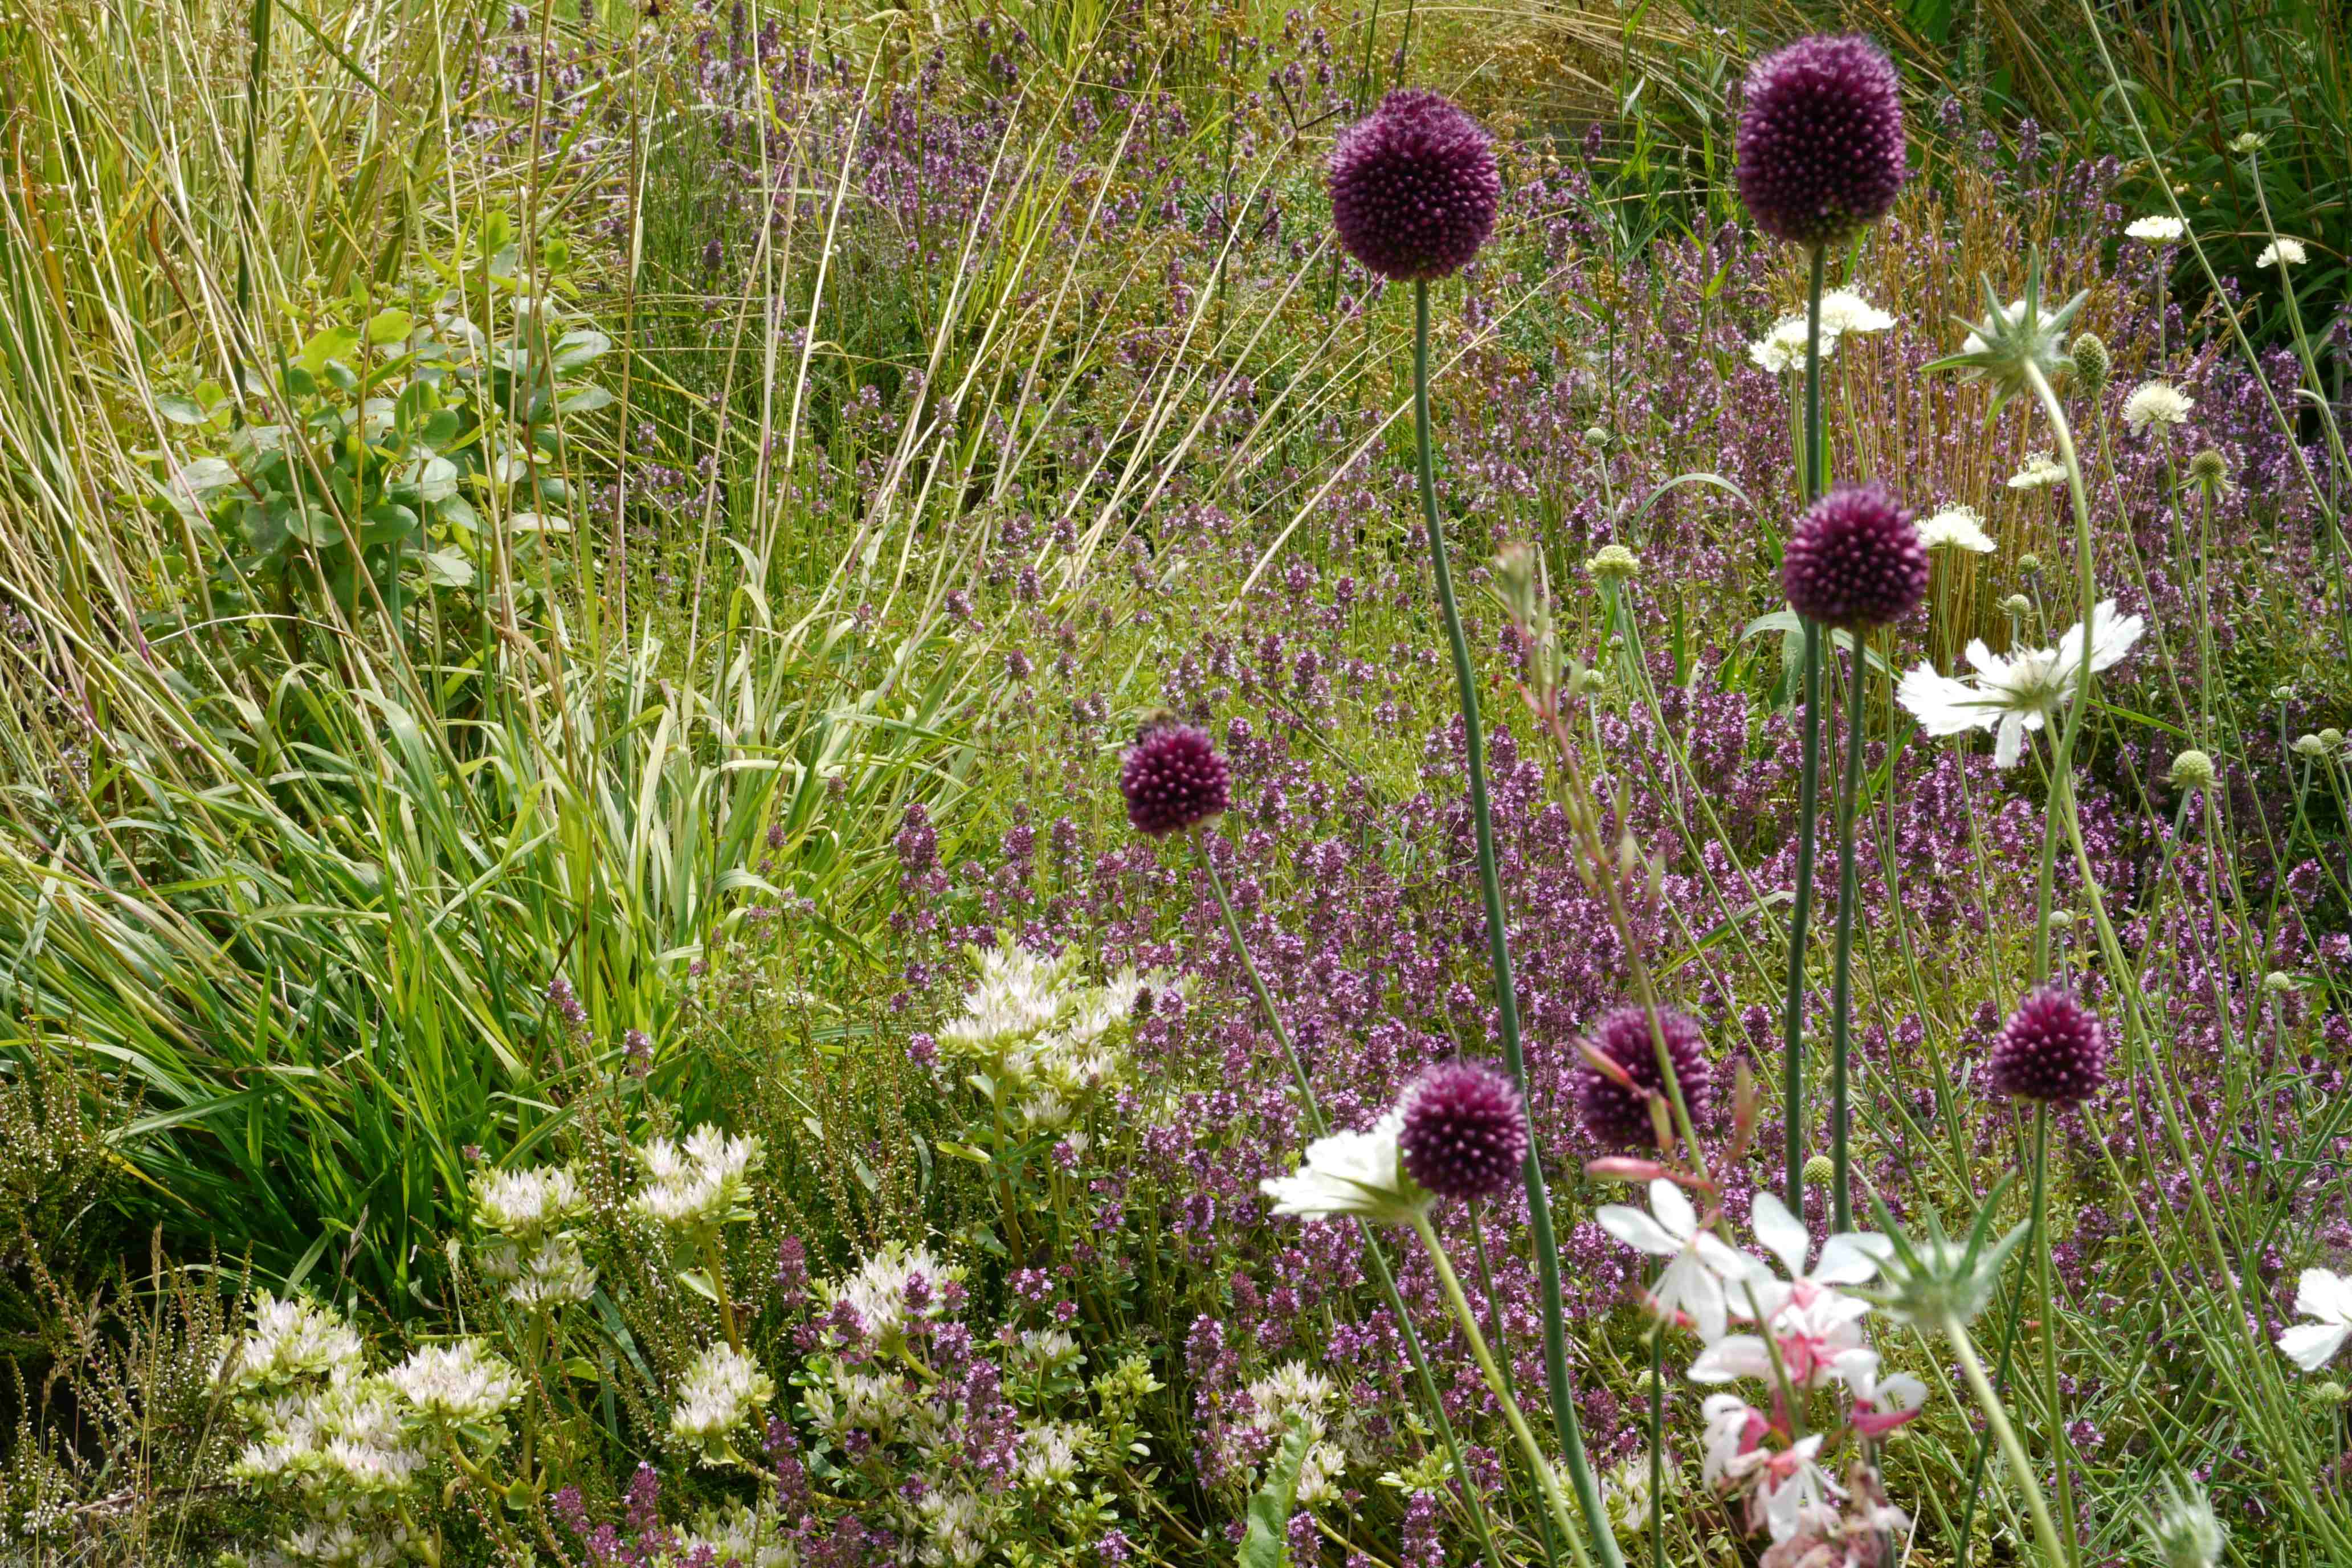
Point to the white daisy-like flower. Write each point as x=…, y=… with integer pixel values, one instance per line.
x=1693, y=1284
x=2155, y=230
x=2283, y=252
x=2041, y=471
x=1957, y=528
x=721, y=1390
x=2017, y=691
x=2328, y=1298
x=458, y=1382
x=1351, y=1173
x=1843, y=310
x=2157, y=403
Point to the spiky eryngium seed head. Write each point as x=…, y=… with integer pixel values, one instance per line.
x=2016, y=342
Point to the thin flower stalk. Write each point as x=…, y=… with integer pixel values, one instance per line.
x=1800, y=908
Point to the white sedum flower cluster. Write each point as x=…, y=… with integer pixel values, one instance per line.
x=532, y=1253
x=1040, y=1040
x=699, y=1185
x=348, y=1448
x=723, y=1390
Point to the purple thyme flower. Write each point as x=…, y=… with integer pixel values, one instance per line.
x=1466, y=1131
x=1855, y=560
x=1172, y=779
x=1619, y=1118
x=1820, y=148
x=1415, y=187
x=2051, y=1049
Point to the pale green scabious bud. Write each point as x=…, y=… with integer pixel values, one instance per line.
x=2016, y=342
x=1820, y=1171
x=1613, y=564
x=1596, y=436
x=2091, y=365
x=2332, y=738
x=2029, y=563
x=2193, y=770
x=2181, y=1528
x=2210, y=470
x=2326, y=1393
x=2310, y=746
x=1940, y=1283
x=2278, y=983
x=2017, y=604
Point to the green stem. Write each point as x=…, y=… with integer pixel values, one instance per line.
x=2062, y=762
x=1842, y=983
x=1506, y=1003
x=1984, y=1441
x=2061, y=1450
x=2019, y=1466
x=1381, y=1273
x=1468, y=1323
x=1809, y=787
x=714, y=1259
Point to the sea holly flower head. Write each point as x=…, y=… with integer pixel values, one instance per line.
x=1358, y=1174
x=1935, y=1281
x=2017, y=691
x=2014, y=340
x=2328, y=1297
x=1691, y=1291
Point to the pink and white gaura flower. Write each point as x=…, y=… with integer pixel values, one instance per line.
x=1880, y=1404
x=1691, y=1291
x=1811, y=1321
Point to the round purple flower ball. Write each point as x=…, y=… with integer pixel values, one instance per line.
x=1856, y=559
x=2052, y=1049
x=1621, y=1119
x=1821, y=149
x=1466, y=1131
x=1172, y=779
x=1414, y=186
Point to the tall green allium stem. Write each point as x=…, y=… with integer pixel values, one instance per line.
x=1372, y=1249
x=2061, y=1453
x=1809, y=787
x=2019, y=1466
x=1506, y=1002
x=1849, y=804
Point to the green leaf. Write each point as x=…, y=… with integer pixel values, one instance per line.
x=699, y=1281
x=587, y=399
x=180, y=410
x=332, y=343
x=390, y=326
x=1265, y=1538
x=575, y=349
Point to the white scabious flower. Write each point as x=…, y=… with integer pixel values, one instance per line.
x=2041, y=471
x=699, y=1185
x=1843, y=310
x=2327, y=1296
x=722, y=1390
x=2155, y=230
x=2282, y=253
x=523, y=1206
x=462, y=1383
x=2017, y=691
x=1351, y=1173
x=290, y=1339
x=2157, y=403
x=1957, y=528
x=1782, y=348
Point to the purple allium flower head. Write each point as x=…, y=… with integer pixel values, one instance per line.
x=1820, y=148
x=1856, y=559
x=1414, y=186
x=1466, y=1131
x=1619, y=1119
x=1172, y=779
x=2051, y=1049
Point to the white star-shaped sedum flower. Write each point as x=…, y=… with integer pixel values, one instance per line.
x=2015, y=692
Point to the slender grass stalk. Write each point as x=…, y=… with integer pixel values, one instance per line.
x=1800, y=909
x=1381, y=1272
x=1506, y=1003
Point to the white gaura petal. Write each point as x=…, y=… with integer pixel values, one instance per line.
x=1782, y=1233
x=1731, y=1358
x=2309, y=1345
x=1901, y=1392
x=1731, y=1265
x=1852, y=1258
x=1637, y=1230
x=1673, y=1209
x=1689, y=1285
